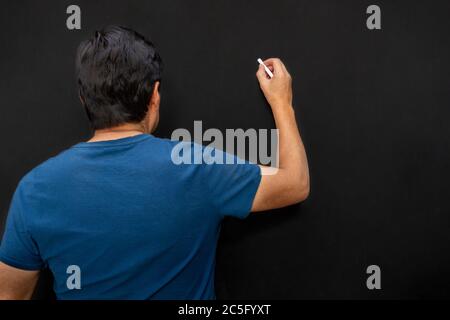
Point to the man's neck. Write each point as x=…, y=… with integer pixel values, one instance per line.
x=119, y=132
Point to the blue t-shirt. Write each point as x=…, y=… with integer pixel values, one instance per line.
x=136, y=225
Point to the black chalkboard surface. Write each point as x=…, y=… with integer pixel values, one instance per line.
x=372, y=105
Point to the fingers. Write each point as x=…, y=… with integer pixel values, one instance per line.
x=276, y=66
x=275, y=62
x=261, y=74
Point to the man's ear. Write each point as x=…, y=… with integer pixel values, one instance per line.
x=154, y=101
x=156, y=87
x=81, y=98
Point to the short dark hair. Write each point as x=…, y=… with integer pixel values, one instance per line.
x=116, y=73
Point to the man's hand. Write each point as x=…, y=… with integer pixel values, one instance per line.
x=290, y=184
x=277, y=90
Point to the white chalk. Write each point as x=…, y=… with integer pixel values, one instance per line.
x=265, y=68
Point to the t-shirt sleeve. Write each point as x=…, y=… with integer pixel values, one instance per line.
x=232, y=185
x=17, y=248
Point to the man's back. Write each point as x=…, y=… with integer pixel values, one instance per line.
x=116, y=217
x=137, y=225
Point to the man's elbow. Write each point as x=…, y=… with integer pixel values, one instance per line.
x=302, y=190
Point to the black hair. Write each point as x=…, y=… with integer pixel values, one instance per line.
x=116, y=73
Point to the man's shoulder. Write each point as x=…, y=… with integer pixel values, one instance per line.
x=70, y=161
x=47, y=167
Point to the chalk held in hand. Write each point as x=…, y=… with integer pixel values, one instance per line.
x=265, y=68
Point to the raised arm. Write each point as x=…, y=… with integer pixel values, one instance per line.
x=290, y=183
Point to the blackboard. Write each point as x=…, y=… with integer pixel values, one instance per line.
x=372, y=105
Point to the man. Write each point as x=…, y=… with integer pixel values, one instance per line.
x=114, y=217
